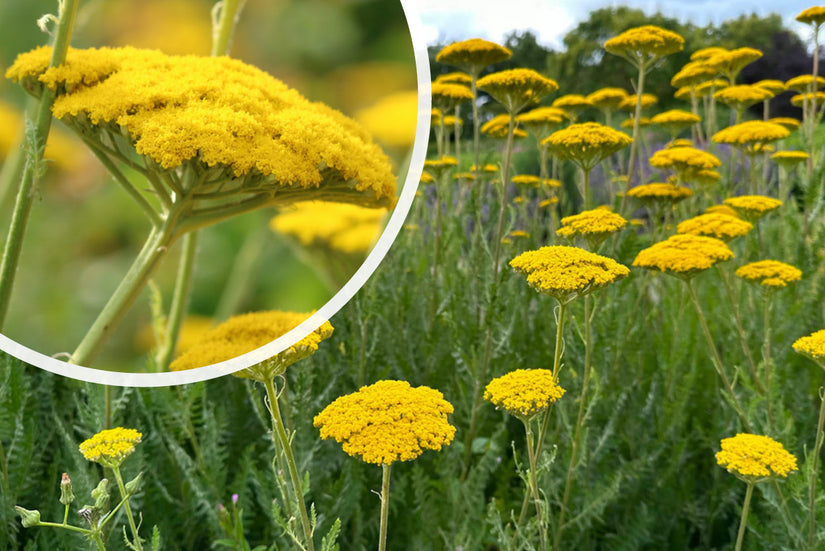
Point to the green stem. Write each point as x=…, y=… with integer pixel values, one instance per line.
x=107, y=407
x=476, y=153
x=230, y=11
x=65, y=527
x=717, y=360
x=766, y=350
x=238, y=282
x=28, y=181
x=385, y=506
x=180, y=298
x=586, y=194
x=637, y=115
x=533, y=486
x=136, y=537
x=280, y=431
x=98, y=542
x=812, y=489
x=588, y=351
x=737, y=318
x=743, y=521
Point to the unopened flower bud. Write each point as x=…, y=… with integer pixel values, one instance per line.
x=66, y=493
x=133, y=486
x=101, y=496
x=29, y=518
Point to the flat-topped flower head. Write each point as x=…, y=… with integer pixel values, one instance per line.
x=485, y=169
x=685, y=161
x=594, y=225
x=660, y=193
x=643, y=45
x=543, y=204
x=815, y=15
x=111, y=446
x=772, y=85
x=388, y=421
x=247, y=332
x=800, y=100
x=788, y=122
x=566, y=273
x=392, y=119
x=812, y=346
x=770, y=274
x=709, y=87
x=721, y=209
x=447, y=95
x=705, y=177
x=742, y=96
x=455, y=78
x=790, y=159
x=693, y=73
x=730, y=63
x=753, y=457
x=720, y=226
x=499, y=126
x=753, y=207
x=516, y=89
x=683, y=256
x=607, y=98
x=682, y=142
x=586, y=144
x=705, y=53
x=643, y=122
x=248, y=134
x=751, y=136
x=675, y=120
x=629, y=103
x=426, y=178
x=526, y=180
x=340, y=227
x=473, y=55
x=441, y=166
x=541, y=121
x=524, y=393
x=804, y=83
x=572, y=103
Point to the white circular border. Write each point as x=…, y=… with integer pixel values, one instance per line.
x=399, y=214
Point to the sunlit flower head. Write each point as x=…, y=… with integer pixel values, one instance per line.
x=455, y=78
x=675, y=120
x=441, y=166
x=774, y=86
x=812, y=346
x=801, y=99
x=473, y=55
x=340, y=227
x=607, y=98
x=742, y=96
x=594, y=225
x=524, y=393
x=711, y=86
x=788, y=122
x=572, y=103
x=750, y=135
x=661, y=193
x=804, y=83
x=111, y=446
x=629, y=103
x=516, y=89
x=686, y=161
x=683, y=256
x=388, y=421
x=692, y=74
x=644, y=45
x=541, y=121
x=587, y=144
x=705, y=177
x=753, y=457
x=770, y=274
x=392, y=120
x=815, y=15
x=752, y=207
x=499, y=126
x=790, y=159
x=730, y=63
x=643, y=122
x=447, y=95
x=526, y=180
x=566, y=273
x=705, y=53
x=720, y=226
x=721, y=209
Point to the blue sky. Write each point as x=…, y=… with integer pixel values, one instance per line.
x=451, y=20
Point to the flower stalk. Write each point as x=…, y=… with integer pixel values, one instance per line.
x=743, y=521
x=385, y=506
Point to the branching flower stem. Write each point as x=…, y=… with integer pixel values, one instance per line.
x=136, y=541
x=743, y=339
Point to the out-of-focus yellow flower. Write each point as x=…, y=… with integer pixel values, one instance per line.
x=659, y=192
x=455, y=78
x=644, y=45
x=517, y=88
x=498, y=126
x=346, y=228
x=709, y=86
x=683, y=256
x=675, y=120
x=774, y=86
x=586, y=144
x=595, y=225
x=730, y=63
x=473, y=55
x=629, y=103
x=812, y=346
x=721, y=209
x=742, y=96
x=392, y=120
x=804, y=83
x=814, y=15
x=753, y=207
x=800, y=99
x=788, y=122
x=750, y=135
x=692, y=74
x=686, y=161
x=607, y=98
x=790, y=159
x=705, y=53
x=720, y=226
x=770, y=274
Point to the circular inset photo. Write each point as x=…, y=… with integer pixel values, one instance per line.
x=187, y=185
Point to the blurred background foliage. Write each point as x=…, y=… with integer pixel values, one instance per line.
x=350, y=54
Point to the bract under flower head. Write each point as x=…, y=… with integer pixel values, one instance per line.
x=769, y=273
x=517, y=88
x=594, y=225
x=587, y=144
x=473, y=55
x=524, y=392
x=751, y=135
x=566, y=273
x=660, y=192
x=111, y=446
x=340, y=227
x=607, y=98
x=815, y=15
x=388, y=421
x=244, y=130
x=812, y=346
x=683, y=256
x=643, y=45
x=752, y=207
x=247, y=332
x=753, y=457
x=720, y=226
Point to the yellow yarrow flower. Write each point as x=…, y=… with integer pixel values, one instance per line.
x=815, y=15
x=800, y=99
x=804, y=83
x=517, y=88
x=643, y=45
x=548, y=202
x=720, y=226
x=751, y=135
x=526, y=180
x=705, y=53
x=566, y=273
x=659, y=192
x=499, y=126
x=706, y=88
x=346, y=228
x=643, y=121
x=586, y=144
x=730, y=63
x=752, y=207
x=607, y=98
x=813, y=345
x=388, y=421
x=769, y=273
x=753, y=457
x=742, y=96
x=524, y=393
x=787, y=122
x=721, y=209
x=473, y=55
x=692, y=74
x=629, y=103
x=789, y=159
x=686, y=161
x=683, y=256
x=675, y=120
x=774, y=86
x=247, y=332
x=595, y=225
x=111, y=446
x=392, y=120
x=446, y=95
x=455, y=78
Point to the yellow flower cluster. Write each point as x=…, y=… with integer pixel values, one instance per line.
x=705, y=53
x=774, y=86
x=643, y=121
x=607, y=98
x=683, y=255
x=388, y=421
x=789, y=158
x=448, y=95
x=769, y=273
x=586, y=144
x=111, y=446
x=566, y=273
x=526, y=180
x=595, y=224
x=572, y=102
x=814, y=15
x=247, y=332
x=720, y=226
x=629, y=103
x=813, y=345
x=804, y=83
x=752, y=207
x=660, y=192
x=498, y=126
x=338, y=226
x=542, y=119
x=800, y=99
x=392, y=120
x=455, y=78
x=645, y=43
x=742, y=96
x=731, y=62
x=216, y=111
x=517, y=88
x=753, y=456
x=524, y=392
x=473, y=54
x=675, y=117
x=693, y=73
x=751, y=133
x=686, y=161
x=721, y=209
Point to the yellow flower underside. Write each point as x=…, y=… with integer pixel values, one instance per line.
x=813, y=345
x=524, y=392
x=587, y=144
x=683, y=255
x=721, y=209
x=676, y=118
x=750, y=133
x=517, y=88
x=596, y=222
x=787, y=122
x=645, y=43
x=769, y=273
x=567, y=272
x=629, y=103
x=815, y=15
x=450, y=94
x=754, y=456
x=607, y=98
x=693, y=73
x=475, y=52
x=720, y=226
x=110, y=446
x=731, y=62
x=753, y=206
x=338, y=226
x=742, y=96
x=705, y=53
x=800, y=99
x=247, y=332
x=659, y=191
x=388, y=421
